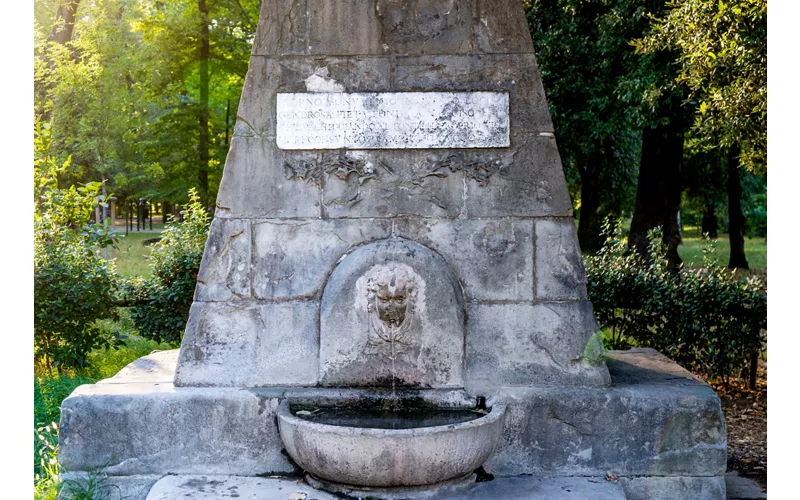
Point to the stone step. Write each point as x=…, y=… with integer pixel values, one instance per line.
x=274, y=488
x=546, y=488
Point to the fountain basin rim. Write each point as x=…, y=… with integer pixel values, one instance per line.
x=284, y=413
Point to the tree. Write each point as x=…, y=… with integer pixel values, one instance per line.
x=60, y=34
x=584, y=57
x=143, y=91
x=203, y=142
x=722, y=59
x=664, y=120
x=658, y=194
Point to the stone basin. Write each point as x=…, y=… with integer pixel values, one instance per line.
x=416, y=452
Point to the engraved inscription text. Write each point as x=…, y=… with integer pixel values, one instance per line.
x=393, y=120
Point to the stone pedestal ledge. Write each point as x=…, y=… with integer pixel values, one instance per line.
x=657, y=427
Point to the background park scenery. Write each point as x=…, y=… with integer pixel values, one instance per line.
x=660, y=113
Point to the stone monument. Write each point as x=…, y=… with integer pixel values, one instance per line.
x=393, y=230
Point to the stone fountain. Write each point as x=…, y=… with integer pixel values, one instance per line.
x=392, y=301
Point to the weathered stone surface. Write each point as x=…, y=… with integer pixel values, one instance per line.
x=369, y=27
x=493, y=258
x=344, y=27
x=392, y=120
x=293, y=258
x=656, y=420
x=674, y=488
x=519, y=181
x=283, y=28
x=559, y=266
x=501, y=27
x=274, y=488
x=144, y=429
x=158, y=367
x=545, y=488
x=254, y=184
x=75, y=485
x=389, y=458
x=646, y=366
x=646, y=431
x=211, y=487
x=530, y=183
x=541, y=344
x=392, y=312
x=249, y=345
x=445, y=489
x=267, y=76
x=516, y=74
x=425, y=26
x=391, y=184
x=225, y=268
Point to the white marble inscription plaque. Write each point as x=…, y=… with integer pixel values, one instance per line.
x=393, y=120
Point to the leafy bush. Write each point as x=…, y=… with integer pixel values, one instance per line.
x=167, y=294
x=45, y=477
x=705, y=319
x=72, y=286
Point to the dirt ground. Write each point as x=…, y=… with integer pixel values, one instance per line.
x=746, y=420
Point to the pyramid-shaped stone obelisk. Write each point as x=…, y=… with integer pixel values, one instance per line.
x=393, y=207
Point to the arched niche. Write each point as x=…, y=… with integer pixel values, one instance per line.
x=392, y=313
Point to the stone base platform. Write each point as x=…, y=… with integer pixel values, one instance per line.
x=657, y=428
x=257, y=488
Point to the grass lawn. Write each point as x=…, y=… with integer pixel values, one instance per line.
x=691, y=251
x=132, y=255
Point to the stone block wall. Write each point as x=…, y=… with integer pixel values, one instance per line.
x=500, y=218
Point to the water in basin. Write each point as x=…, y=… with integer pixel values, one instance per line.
x=380, y=418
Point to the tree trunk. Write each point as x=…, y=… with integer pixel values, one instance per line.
x=203, y=144
x=753, y=375
x=65, y=22
x=61, y=33
x=658, y=193
x=735, y=215
x=166, y=210
x=590, y=225
x=709, y=224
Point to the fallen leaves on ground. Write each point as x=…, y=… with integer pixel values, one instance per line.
x=746, y=421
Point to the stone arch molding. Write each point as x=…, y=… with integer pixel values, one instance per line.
x=392, y=314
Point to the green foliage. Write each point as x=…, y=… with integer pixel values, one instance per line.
x=705, y=175
x=704, y=318
x=124, y=98
x=601, y=95
x=722, y=59
x=754, y=204
x=175, y=261
x=72, y=286
x=584, y=57
x=45, y=478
